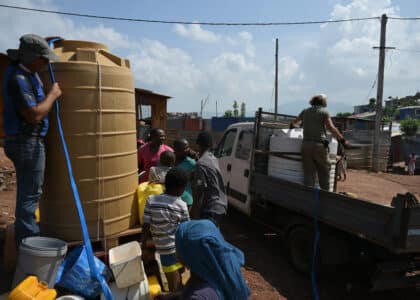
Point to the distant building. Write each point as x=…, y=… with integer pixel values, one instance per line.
x=359, y=109
x=176, y=115
x=392, y=103
x=409, y=112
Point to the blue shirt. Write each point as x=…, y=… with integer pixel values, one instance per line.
x=188, y=165
x=21, y=90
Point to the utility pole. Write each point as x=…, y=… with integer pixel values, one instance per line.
x=216, y=110
x=379, y=95
x=276, y=92
x=203, y=104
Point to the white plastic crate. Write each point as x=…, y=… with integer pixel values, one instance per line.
x=289, y=141
x=126, y=264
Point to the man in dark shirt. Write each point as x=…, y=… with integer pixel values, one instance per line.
x=209, y=194
x=25, y=118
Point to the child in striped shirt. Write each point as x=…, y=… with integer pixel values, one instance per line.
x=162, y=215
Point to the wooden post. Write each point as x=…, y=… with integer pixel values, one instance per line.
x=276, y=80
x=379, y=95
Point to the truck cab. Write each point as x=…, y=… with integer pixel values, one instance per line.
x=234, y=154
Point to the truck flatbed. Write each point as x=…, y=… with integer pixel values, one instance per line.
x=395, y=227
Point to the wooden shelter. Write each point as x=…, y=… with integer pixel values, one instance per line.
x=157, y=107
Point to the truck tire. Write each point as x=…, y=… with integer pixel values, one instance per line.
x=300, y=247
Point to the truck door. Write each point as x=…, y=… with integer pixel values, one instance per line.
x=224, y=154
x=238, y=187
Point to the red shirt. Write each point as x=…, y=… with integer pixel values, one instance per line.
x=148, y=159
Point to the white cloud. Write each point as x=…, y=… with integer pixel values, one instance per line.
x=289, y=69
x=342, y=62
x=168, y=69
x=195, y=32
x=27, y=22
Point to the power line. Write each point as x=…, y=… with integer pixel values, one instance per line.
x=407, y=50
x=405, y=18
x=373, y=86
x=186, y=22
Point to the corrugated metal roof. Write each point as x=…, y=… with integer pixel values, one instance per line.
x=149, y=92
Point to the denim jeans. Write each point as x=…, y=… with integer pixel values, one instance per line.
x=28, y=156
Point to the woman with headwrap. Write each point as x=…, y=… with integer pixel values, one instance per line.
x=215, y=264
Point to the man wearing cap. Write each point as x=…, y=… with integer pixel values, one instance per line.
x=25, y=116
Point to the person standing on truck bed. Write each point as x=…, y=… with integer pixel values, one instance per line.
x=25, y=115
x=210, y=201
x=316, y=120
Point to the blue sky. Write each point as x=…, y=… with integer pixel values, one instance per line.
x=237, y=63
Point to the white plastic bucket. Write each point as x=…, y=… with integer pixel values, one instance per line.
x=126, y=264
x=139, y=291
x=39, y=256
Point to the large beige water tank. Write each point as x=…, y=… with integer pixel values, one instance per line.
x=97, y=111
x=4, y=63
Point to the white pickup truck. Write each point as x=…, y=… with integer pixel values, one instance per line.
x=386, y=238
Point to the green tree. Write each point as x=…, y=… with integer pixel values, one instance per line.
x=409, y=126
x=389, y=112
x=235, y=109
x=372, y=103
x=228, y=113
x=243, y=109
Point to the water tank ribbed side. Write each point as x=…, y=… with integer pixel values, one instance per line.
x=97, y=111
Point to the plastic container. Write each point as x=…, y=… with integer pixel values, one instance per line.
x=144, y=190
x=4, y=62
x=32, y=289
x=154, y=286
x=139, y=291
x=288, y=166
x=70, y=297
x=40, y=256
x=126, y=264
x=74, y=274
x=98, y=113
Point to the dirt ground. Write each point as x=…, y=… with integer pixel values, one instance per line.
x=267, y=271
x=379, y=187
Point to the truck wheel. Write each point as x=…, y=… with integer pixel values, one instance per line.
x=300, y=246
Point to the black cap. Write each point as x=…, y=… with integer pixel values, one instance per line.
x=31, y=47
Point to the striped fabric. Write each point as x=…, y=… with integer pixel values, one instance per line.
x=164, y=213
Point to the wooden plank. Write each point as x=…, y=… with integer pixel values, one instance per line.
x=112, y=240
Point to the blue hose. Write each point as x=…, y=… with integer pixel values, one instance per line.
x=316, y=242
x=86, y=239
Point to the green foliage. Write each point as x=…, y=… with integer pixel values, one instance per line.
x=243, y=109
x=343, y=114
x=235, y=109
x=386, y=118
x=228, y=113
x=372, y=103
x=389, y=112
x=409, y=126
